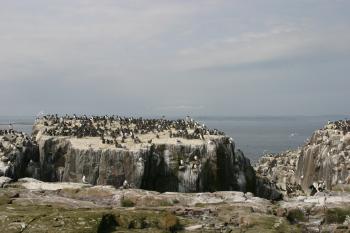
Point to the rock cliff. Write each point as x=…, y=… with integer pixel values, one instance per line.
x=278, y=172
x=19, y=155
x=189, y=166
x=326, y=157
x=323, y=162
x=160, y=155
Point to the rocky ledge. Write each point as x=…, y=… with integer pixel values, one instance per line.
x=152, y=154
x=112, y=174
x=29, y=205
x=18, y=154
x=278, y=171
x=325, y=159
x=323, y=163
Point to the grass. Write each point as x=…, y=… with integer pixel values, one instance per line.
x=170, y=223
x=165, y=203
x=44, y=218
x=256, y=223
x=296, y=215
x=336, y=215
x=125, y=202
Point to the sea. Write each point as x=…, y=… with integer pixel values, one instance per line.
x=254, y=135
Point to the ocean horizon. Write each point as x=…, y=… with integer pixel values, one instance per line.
x=254, y=135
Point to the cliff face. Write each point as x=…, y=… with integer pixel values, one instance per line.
x=278, y=171
x=184, y=167
x=19, y=156
x=326, y=158
x=160, y=155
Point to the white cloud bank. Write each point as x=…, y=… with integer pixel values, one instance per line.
x=156, y=53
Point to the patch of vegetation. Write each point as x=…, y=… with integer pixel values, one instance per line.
x=170, y=223
x=296, y=215
x=108, y=224
x=336, y=215
x=266, y=224
x=4, y=199
x=198, y=204
x=125, y=202
x=165, y=203
x=70, y=193
x=43, y=218
x=176, y=201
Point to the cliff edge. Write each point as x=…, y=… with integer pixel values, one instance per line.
x=326, y=157
x=160, y=155
x=323, y=163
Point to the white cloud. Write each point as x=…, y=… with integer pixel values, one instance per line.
x=143, y=52
x=180, y=107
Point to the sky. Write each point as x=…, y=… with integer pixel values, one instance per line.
x=145, y=57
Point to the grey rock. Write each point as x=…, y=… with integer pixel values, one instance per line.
x=154, y=167
x=4, y=180
x=328, y=163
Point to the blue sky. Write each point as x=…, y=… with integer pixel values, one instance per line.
x=231, y=57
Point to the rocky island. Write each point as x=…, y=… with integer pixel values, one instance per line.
x=161, y=155
x=118, y=174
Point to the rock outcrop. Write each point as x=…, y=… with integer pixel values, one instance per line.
x=19, y=155
x=161, y=155
x=30, y=205
x=159, y=182
x=326, y=158
x=323, y=161
x=277, y=171
x=189, y=166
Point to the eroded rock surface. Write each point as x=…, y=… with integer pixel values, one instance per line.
x=35, y=206
x=279, y=171
x=326, y=158
x=183, y=167
x=152, y=154
x=19, y=155
x=322, y=163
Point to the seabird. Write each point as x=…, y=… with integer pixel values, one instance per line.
x=83, y=180
x=125, y=184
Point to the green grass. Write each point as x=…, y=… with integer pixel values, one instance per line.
x=296, y=215
x=165, y=203
x=337, y=215
x=127, y=203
